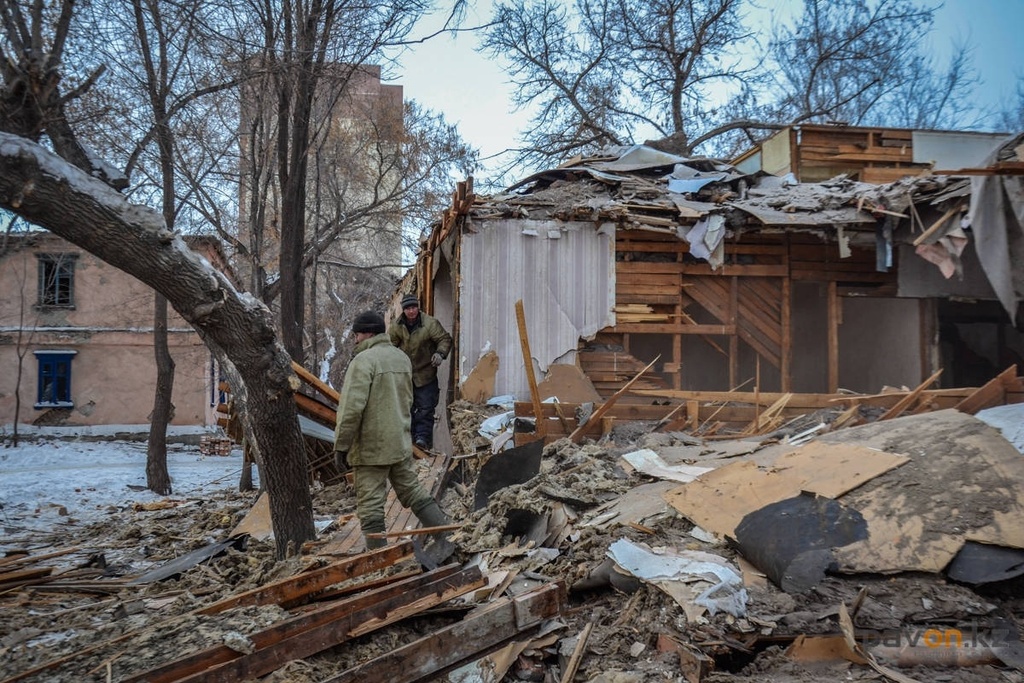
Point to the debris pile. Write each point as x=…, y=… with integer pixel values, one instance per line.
x=886, y=551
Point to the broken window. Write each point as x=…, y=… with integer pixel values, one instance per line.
x=57, y=280
x=53, y=389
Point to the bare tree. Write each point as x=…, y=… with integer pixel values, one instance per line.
x=1011, y=119
x=691, y=74
x=72, y=203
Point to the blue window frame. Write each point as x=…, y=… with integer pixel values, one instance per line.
x=53, y=389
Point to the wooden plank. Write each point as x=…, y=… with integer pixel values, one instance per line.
x=729, y=270
x=670, y=328
x=312, y=632
x=336, y=631
x=835, y=315
x=315, y=382
x=599, y=413
x=715, y=301
x=662, y=279
x=313, y=408
x=524, y=343
x=909, y=399
x=647, y=267
x=480, y=631
x=292, y=589
x=991, y=394
x=24, y=576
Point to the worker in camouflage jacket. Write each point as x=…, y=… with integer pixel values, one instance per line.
x=372, y=435
x=427, y=344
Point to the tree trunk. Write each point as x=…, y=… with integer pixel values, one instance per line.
x=59, y=197
x=157, y=478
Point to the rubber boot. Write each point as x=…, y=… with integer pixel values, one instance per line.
x=374, y=543
x=431, y=514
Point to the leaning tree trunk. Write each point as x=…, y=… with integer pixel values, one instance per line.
x=157, y=478
x=63, y=199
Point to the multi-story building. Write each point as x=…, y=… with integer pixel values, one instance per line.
x=76, y=341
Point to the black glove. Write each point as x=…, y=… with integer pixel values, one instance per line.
x=341, y=460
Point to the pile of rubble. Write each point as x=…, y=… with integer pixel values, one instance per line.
x=890, y=550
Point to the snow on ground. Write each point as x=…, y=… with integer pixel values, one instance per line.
x=47, y=482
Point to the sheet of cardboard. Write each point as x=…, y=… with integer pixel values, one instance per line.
x=719, y=500
x=256, y=522
x=479, y=385
x=569, y=384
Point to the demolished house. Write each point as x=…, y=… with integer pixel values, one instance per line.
x=749, y=473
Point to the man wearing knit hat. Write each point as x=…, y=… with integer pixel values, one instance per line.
x=427, y=344
x=372, y=435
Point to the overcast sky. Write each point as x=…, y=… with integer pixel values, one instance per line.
x=447, y=75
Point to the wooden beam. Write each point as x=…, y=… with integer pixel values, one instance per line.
x=481, y=630
x=599, y=413
x=990, y=394
x=834, y=320
x=293, y=588
x=315, y=631
x=909, y=399
x=314, y=408
x=314, y=381
x=524, y=342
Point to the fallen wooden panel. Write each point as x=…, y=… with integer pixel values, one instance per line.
x=315, y=631
x=291, y=590
x=719, y=500
x=479, y=631
x=962, y=483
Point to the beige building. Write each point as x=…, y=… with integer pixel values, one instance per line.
x=76, y=341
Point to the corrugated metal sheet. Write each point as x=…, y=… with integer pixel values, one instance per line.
x=563, y=272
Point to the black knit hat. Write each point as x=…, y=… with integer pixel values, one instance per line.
x=368, y=321
x=409, y=300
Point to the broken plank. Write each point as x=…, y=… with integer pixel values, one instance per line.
x=765, y=398
x=599, y=413
x=481, y=630
x=909, y=399
x=293, y=588
x=992, y=393
x=314, y=381
x=24, y=576
x=340, y=628
x=203, y=660
x=24, y=557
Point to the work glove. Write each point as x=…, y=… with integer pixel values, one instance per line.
x=436, y=359
x=341, y=460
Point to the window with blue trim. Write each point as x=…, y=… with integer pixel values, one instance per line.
x=53, y=390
